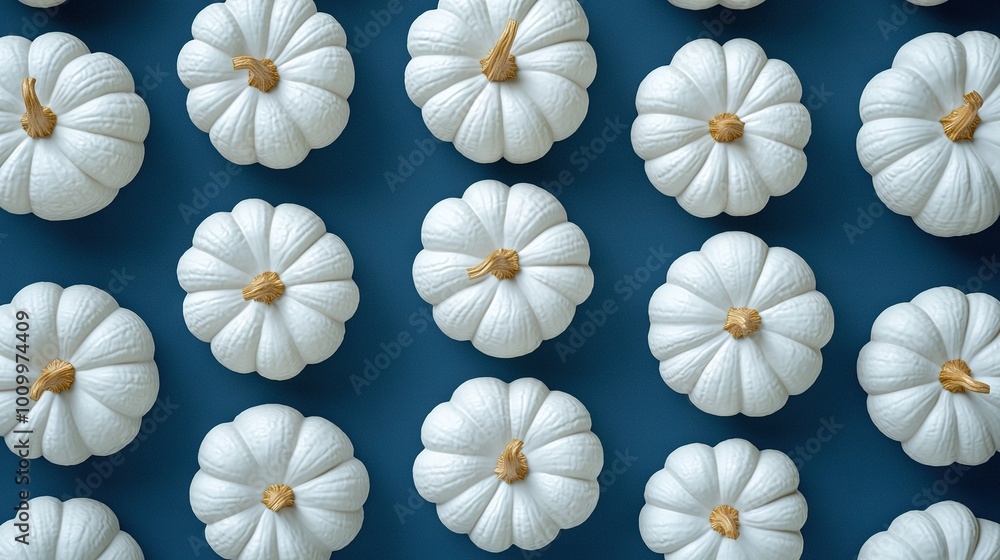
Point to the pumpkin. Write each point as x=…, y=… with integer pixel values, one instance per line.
x=501, y=79
x=71, y=127
x=509, y=463
x=268, y=287
x=275, y=484
x=739, y=326
x=42, y=3
x=930, y=371
x=721, y=128
x=726, y=502
x=269, y=80
x=928, y=2
x=78, y=368
x=80, y=528
x=930, y=137
x=705, y=4
x=944, y=531
x=502, y=267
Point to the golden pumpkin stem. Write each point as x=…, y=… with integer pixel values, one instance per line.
x=501, y=263
x=961, y=123
x=57, y=377
x=725, y=127
x=278, y=497
x=38, y=121
x=957, y=377
x=263, y=73
x=499, y=64
x=742, y=321
x=512, y=465
x=725, y=520
x=264, y=288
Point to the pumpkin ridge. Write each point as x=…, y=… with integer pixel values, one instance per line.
x=681, y=483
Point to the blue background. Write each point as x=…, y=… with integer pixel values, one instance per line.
x=864, y=257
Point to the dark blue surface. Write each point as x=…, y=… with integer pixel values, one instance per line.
x=865, y=259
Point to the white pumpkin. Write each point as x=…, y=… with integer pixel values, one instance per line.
x=502, y=267
x=71, y=127
x=501, y=79
x=944, y=531
x=78, y=368
x=930, y=371
x=80, y=528
x=705, y=4
x=927, y=2
x=274, y=484
x=727, y=502
x=42, y=3
x=721, y=128
x=509, y=463
x=268, y=287
x=738, y=326
x=269, y=79
x=931, y=136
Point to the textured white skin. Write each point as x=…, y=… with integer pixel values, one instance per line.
x=96, y=147
x=899, y=370
x=927, y=2
x=308, y=107
x=944, y=531
x=761, y=485
x=116, y=379
x=42, y=3
x=705, y=4
x=948, y=188
x=305, y=325
x=510, y=317
x=755, y=374
x=463, y=439
x=77, y=529
x=274, y=444
x=516, y=119
x=671, y=133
